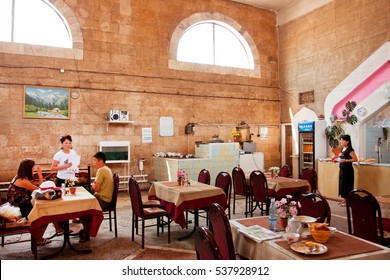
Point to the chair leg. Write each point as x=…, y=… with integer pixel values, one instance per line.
x=132, y=227
x=143, y=234
x=136, y=226
x=234, y=204
x=169, y=231
x=115, y=224
x=109, y=219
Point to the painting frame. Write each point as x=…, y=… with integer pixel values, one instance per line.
x=46, y=103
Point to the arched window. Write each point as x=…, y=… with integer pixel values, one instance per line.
x=34, y=22
x=213, y=43
x=40, y=27
x=216, y=43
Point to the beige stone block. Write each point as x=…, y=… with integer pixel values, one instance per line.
x=324, y=21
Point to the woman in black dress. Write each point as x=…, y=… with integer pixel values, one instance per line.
x=346, y=175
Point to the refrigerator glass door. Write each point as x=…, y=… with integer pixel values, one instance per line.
x=306, y=150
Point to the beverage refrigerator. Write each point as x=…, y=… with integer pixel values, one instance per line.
x=312, y=143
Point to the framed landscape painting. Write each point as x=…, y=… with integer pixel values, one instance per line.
x=46, y=103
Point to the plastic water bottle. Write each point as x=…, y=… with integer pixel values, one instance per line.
x=63, y=189
x=273, y=216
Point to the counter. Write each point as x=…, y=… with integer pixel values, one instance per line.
x=370, y=177
x=215, y=157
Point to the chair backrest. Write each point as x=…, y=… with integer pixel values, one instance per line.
x=204, y=177
x=239, y=181
x=259, y=186
x=316, y=206
x=364, y=216
x=205, y=245
x=310, y=175
x=221, y=230
x=135, y=197
x=285, y=171
x=224, y=181
x=114, y=192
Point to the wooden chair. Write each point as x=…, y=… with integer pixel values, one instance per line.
x=240, y=187
x=204, y=177
x=14, y=228
x=316, y=206
x=224, y=181
x=220, y=227
x=364, y=216
x=310, y=175
x=111, y=210
x=259, y=190
x=285, y=171
x=205, y=245
x=140, y=212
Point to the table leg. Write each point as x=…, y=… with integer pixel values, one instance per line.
x=196, y=224
x=66, y=241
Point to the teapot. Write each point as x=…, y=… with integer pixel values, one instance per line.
x=294, y=225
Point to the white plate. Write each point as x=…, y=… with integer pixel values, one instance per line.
x=300, y=247
x=306, y=219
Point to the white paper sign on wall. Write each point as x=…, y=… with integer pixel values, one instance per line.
x=263, y=132
x=146, y=135
x=166, y=126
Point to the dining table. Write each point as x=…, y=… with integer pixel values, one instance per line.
x=177, y=199
x=82, y=204
x=339, y=246
x=279, y=187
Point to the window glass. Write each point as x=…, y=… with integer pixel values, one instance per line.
x=215, y=43
x=229, y=51
x=6, y=20
x=44, y=26
x=196, y=45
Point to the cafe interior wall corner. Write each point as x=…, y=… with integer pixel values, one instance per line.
x=365, y=85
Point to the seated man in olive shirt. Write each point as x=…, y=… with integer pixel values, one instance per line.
x=103, y=188
x=104, y=182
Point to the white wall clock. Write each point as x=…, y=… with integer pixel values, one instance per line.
x=361, y=111
x=75, y=94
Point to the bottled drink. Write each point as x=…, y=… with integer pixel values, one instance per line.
x=273, y=215
x=63, y=189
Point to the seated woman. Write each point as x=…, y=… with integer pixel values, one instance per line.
x=20, y=189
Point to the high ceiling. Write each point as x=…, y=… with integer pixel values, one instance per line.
x=275, y=5
x=286, y=10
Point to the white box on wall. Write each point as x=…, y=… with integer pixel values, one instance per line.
x=124, y=116
x=114, y=116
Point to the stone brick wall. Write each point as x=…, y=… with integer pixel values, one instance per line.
x=124, y=66
x=320, y=49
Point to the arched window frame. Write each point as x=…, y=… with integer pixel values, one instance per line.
x=188, y=66
x=76, y=52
